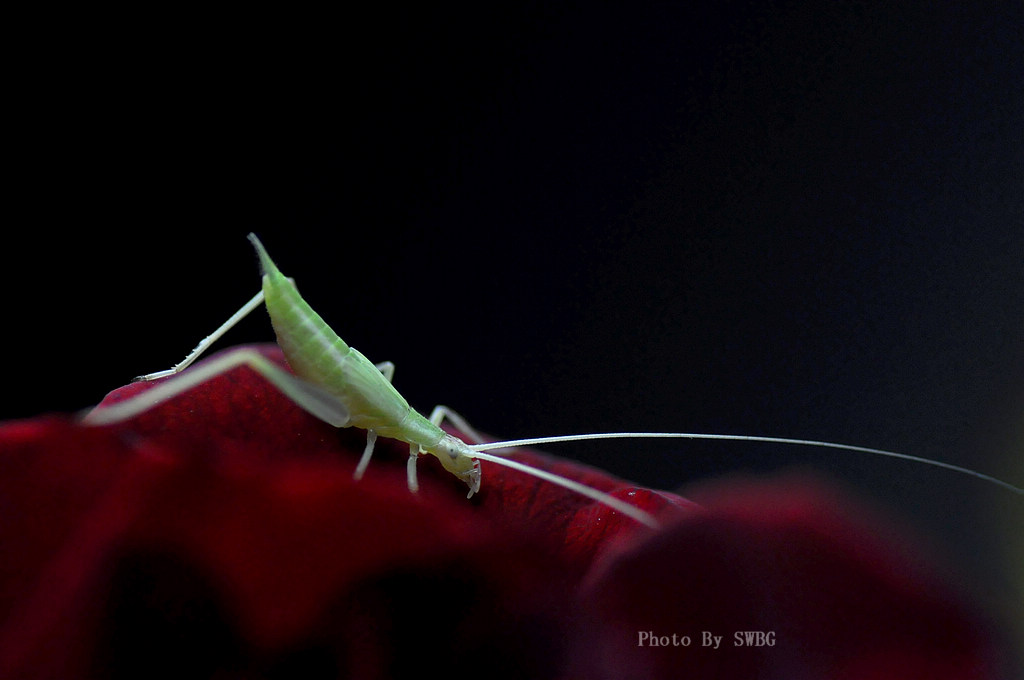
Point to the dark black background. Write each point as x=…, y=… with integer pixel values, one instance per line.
x=748, y=218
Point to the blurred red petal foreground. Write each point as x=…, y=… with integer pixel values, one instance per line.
x=221, y=535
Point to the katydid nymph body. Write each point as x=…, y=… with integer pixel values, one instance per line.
x=339, y=385
x=364, y=391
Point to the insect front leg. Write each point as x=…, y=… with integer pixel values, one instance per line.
x=442, y=413
x=436, y=417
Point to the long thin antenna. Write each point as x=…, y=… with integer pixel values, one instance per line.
x=572, y=485
x=747, y=438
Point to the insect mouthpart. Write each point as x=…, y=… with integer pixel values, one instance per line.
x=458, y=458
x=472, y=479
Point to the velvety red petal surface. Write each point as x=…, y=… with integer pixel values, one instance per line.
x=792, y=585
x=220, y=534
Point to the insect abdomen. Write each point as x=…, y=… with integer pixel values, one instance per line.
x=317, y=354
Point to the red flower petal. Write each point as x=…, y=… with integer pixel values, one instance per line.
x=238, y=415
x=780, y=566
x=170, y=562
x=221, y=532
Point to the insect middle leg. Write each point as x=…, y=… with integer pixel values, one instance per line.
x=388, y=369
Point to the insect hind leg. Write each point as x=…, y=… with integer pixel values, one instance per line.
x=313, y=399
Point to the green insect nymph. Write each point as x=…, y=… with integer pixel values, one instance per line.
x=337, y=384
x=364, y=390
